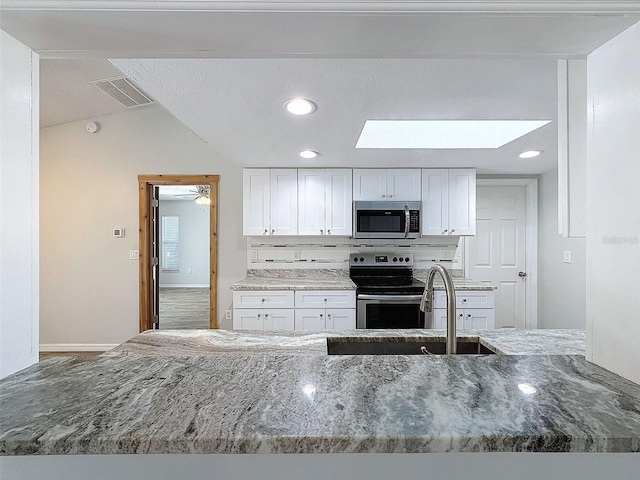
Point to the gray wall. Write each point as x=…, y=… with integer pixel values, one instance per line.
x=194, y=243
x=561, y=286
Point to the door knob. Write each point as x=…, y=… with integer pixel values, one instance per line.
x=522, y=274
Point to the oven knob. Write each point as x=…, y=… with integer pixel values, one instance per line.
x=355, y=259
x=406, y=259
x=395, y=259
x=401, y=259
x=362, y=259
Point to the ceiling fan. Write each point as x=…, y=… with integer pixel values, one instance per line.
x=202, y=194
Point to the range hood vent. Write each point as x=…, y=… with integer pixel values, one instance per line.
x=124, y=91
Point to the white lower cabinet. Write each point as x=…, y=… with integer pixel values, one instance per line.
x=302, y=310
x=474, y=310
x=325, y=319
x=263, y=319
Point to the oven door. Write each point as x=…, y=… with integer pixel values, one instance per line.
x=390, y=311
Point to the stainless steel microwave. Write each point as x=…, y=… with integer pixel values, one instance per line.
x=386, y=219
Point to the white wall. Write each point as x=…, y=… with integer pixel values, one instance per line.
x=613, y=205
x=89, y=185
x=194, y=243
x=19, y=79
x=561, y=286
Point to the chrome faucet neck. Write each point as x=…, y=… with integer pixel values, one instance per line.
x=426, y=303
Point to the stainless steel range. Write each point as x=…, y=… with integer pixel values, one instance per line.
x=387, y=295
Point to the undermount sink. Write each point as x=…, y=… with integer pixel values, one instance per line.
x=394, y=346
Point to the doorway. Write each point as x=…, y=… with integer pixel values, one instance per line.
x=504, y=249
x=151, y=237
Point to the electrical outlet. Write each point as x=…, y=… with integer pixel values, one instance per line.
x=227, y=315
x=189, y=270
x=567, y=256
x=254, y=254
x=296, y=255
x=134, y=255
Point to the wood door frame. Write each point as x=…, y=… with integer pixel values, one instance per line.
x=145, y=189
x=531, y=240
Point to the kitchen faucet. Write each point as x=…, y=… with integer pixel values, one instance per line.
x=426, y=303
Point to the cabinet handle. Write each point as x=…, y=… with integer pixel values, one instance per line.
x=464, y=300
x=453, y=230
x=328, y=232
x=321, y=232
x=383, y=196
x=468, y=315
x=321, y=315
x=329, y=315
x=460, y=315
x=390, y=196
x=266, y=315
x=325, y=299
x=272, y=232
x=444, y=231
x=259, y=315
x=263, y=300
x=265, y=231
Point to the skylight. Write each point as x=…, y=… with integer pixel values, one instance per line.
x=444, y=133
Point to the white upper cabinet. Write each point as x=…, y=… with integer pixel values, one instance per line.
x=449, y=201
x=375, y=185
x=324, y=202
x=270, y=201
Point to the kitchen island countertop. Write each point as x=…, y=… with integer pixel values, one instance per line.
x=260, y=400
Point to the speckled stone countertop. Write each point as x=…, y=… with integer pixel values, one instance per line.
x=274, y=401
x=327, y=279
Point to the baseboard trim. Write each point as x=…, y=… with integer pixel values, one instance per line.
x=77, y=347
x=185, y=285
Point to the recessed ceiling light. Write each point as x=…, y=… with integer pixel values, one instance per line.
x=444, y=133
x=530, y=154
x=299, y=106
x=308, y=154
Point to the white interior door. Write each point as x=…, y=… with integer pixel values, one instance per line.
x=497, y=253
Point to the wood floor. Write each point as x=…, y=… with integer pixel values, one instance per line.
x=184, y=308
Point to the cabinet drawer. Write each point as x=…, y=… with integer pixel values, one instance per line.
x=325, y=299
x=465, y=299
x=263, y=299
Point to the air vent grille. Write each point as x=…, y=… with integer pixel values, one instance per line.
x=124, y=91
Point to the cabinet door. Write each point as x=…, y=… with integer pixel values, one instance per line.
x=311, y=202
x=341, y=319
x=278, y=319
x=263, y=299
x=462, y=201
x=370, y=184
x=284, y=202
x=325, y=299
x=403, y=184
x=256, y=207
x=435, y=201
x=310, y=319
x=248, y=319
x=440, y=318
x=338, y=202
x=478, y=318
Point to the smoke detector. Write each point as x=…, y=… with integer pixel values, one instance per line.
x=124, y=91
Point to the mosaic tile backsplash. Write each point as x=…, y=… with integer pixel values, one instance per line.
x=326, y=252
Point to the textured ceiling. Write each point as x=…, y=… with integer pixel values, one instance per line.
x=236, y=106
x=66, y=94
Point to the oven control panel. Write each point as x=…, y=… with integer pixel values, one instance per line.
x=381, y=260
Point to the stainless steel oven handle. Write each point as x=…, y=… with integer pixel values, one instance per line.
x=406, y=221
x=388, y=297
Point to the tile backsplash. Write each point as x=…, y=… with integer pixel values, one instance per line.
x=327, y=252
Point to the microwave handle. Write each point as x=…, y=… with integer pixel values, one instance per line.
x=406, y=221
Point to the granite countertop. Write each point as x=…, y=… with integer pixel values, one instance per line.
x=326, y=279
x=134, y=400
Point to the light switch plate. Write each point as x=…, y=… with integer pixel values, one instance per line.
x=228, y=315
x=134, y=255
x=567, y=256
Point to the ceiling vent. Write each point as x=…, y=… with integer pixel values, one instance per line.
x=124, y=91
